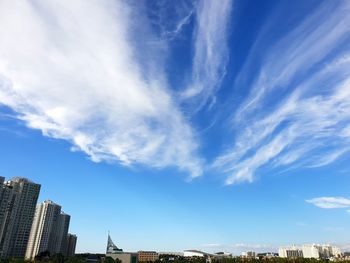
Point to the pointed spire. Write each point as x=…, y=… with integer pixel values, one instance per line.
x=111, y=247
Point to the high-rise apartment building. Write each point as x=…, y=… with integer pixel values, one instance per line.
x=58, y=242
x=315, y=251
x=71, y=244
x=49, y=230
x=17, y=208
x=290, y=252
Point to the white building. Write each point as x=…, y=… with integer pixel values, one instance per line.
x=49, y=230
x=18, y=198
x=311, y=251
x=290, y=252
x=336, y=252
x=248, y=254
x=194, y=253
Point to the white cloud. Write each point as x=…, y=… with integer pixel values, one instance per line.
x=210, y=49
x=330, y=202
x=69, y=69
x=298, y=103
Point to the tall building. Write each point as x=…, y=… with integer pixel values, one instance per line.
x=58, y=243
x=49, y=230
x=71, y=244
x=17, y=208
x=315, y=251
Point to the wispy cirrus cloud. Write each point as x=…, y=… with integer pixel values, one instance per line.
x=330, y=202
x=70, y=70
x=210, y=50
x=308, y=124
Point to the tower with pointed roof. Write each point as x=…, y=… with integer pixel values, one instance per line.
x=111, y=247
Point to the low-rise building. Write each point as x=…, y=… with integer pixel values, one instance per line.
x=248, y=254
x=117, y=253
x=194, y=253
x=124, y=257
x=147, y=256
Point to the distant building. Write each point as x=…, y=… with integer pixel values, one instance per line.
x=223, y=255
x=147, y=256
x=111, y=247
x=49, y=230
x=117, y=253
x=18, y=198
x=194, y=253
x=71, y=245
x=321, y=251
x=125, y=257
x=209, y=256
x=315, y=251
x=266, y=255
x=290, y=252
x=311, y=251
x=336, y=252
x=248, y=254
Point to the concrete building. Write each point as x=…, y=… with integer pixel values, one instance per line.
x=71, y=245
x=49, y=230
x=194, y=253
x=315, y=251
x=17, y=208
x=147, y=256
x=290, y=252
x=125, y=257
x=117, y=253
x=311, y=251
x=336, y=252
x=248, y=254
x=59, y=235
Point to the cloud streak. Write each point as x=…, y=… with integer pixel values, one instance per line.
x=330, y=202
x=70, y=70
x=308, y=125
x=210, y=50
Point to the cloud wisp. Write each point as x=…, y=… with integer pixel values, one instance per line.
x=330, y=202
x=69, y=70
x=210, y=50
x=308, y=124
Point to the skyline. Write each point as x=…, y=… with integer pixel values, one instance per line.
x=213, y=125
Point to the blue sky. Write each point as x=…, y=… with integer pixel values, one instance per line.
x=217, y=125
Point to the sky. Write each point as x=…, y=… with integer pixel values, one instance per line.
x=214, y=125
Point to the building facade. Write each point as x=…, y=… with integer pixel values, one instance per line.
x=147, y=256
x=59, y=234
x=290, y=252
x=17, y=208
x=315, y=251
x=71, y=245
x=49, y=230
x=117, y=253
